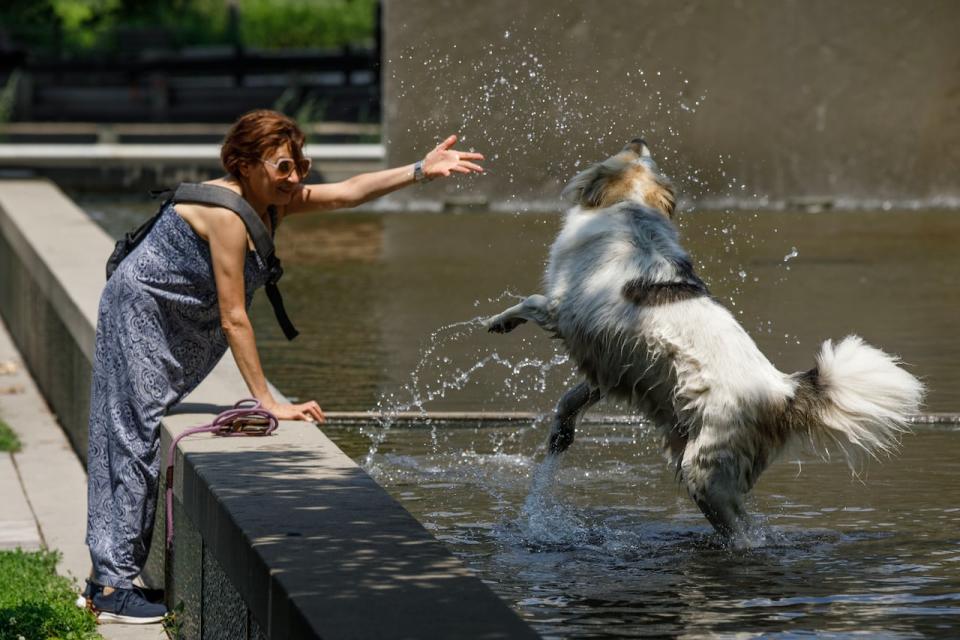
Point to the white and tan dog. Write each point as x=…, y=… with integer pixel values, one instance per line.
x=621, y=293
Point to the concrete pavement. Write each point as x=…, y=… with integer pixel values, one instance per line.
x=17, y=526
x=43, y=488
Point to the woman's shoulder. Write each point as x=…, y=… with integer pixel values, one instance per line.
x=234, y=186
x=218, y=212
x=226, y=183
x=208, y=219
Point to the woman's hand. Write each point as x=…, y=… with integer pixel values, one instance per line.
x=309, y=411
x=444, y=160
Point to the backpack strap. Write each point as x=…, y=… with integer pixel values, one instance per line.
x=131, y=239
x=228, y=199
x=262, y=241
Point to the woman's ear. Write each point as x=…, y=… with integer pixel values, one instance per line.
x=244, y=167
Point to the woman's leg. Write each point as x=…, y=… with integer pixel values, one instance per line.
x=128, y=397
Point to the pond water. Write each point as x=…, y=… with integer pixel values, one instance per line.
x=616, y=549
x=388, y=306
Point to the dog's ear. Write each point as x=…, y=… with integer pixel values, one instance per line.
x=588, y=187
x=573, y=192
x=663, y=195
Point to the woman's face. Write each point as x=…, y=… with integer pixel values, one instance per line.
x=271, y=180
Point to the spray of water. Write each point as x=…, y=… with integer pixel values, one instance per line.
x=521, y=81
x=545, y=519
x=436, y=375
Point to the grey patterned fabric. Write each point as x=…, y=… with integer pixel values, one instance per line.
x=158, y=336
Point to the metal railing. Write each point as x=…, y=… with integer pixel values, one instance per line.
x=341, y=84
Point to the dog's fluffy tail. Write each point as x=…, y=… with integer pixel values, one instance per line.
x=857, y=397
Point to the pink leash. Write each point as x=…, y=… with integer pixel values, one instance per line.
x=246, y=418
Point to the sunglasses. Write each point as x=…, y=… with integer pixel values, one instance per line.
x=286, y=166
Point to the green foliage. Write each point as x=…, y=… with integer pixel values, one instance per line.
x=173, y=622
x=84, y=26
x=8, y=439
x=306, y=23
x=84, y=22
x=36, y=603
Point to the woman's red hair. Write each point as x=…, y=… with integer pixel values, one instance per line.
x=255, y=134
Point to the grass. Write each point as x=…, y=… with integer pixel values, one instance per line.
x=36, y=603
x=8, y=439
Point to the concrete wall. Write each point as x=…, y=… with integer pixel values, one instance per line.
x=741, y=101
x=49, y=287
x=279, y=537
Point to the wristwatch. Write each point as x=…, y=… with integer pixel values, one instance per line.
x=418, y=173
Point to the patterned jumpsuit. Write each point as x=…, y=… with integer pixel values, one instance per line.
x=158, y=336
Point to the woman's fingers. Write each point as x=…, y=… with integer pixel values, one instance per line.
x=471, y=166
x=466, y=167
x=449, y=142
x=314, y=411
x=444, y=160
x=307, y=411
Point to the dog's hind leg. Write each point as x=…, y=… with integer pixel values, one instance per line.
x=571, y=405
x=714, y=475
x=535, y=308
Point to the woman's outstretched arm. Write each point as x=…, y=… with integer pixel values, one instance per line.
x=441, y=162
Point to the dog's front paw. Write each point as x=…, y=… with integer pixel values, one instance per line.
x=502, y=324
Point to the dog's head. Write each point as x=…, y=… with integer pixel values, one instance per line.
x=631, y=175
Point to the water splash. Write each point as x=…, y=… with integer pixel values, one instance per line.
x=546, y=520
x=436, y=375
x=521, y=82
x=514, y=96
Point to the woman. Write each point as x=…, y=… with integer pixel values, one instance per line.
x=168, y=314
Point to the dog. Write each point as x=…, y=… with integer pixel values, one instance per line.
x=621, y=293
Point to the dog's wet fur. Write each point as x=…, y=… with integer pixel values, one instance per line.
x=622, y=294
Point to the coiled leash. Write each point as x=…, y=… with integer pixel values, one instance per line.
x=246, y=418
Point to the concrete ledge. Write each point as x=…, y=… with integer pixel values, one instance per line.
x=333, y=162
x=49, y=287
x=280, y=537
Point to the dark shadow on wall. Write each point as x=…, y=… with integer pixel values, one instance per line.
x=332, y=551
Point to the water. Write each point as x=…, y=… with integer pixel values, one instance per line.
x=613, y=548
x=609, y=546
x=368, y=291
